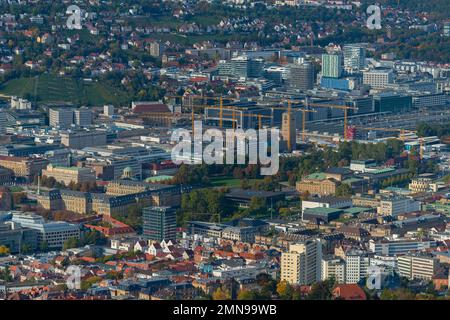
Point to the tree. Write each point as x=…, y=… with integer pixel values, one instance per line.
x=322, y=290
x=221, y=294
x=4, y=250
x=344, y=190
x=247, y=295
x=71, y=243
x=284, y=290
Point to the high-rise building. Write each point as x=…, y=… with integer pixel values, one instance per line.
x=108, y=110
x=288, y=131
x=82, y=117
x=356, y=265
x=3, y=122
x=302, y=76
x=156, y=49
x=243, y=67
x=62, y=117
x=159, y=223
x=302, y=264
x=447, y=29
x=331, y=65
x=354, y=57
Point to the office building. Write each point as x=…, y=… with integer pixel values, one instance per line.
x=420, y=266
x=108, y=110
x=82, y=117
x=22, y=166
x=354, y=57
x=82, y=139
x=159, y=223
x=302, y=263
x=53, y=234
x=3, y=122
x=378, y=78
x=331, y=65
x=391, y=102
x=14, y=236
x=62, y=117
x=394, y=206
x=399, y=246
x=301, y=76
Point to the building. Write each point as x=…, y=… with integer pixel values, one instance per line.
x=20, y=104
x=15, y=237
x=321, y=214
x=357, y=263
x=391, y=102
x=301, y=76
x=326, y=202
x=156, y=49
x=399, y=246
x=62, y=117
x=317, y=184
x=52, y=234
x=82, y=117
x=333, y=267
x=378, y=78
x=394, y=206
x=417, y=266
x=420, y=184
x=302, y=263
x=289, y=131
x=447, y=29
x=108, y=110
x=159, y=223
x=82, y=139
x=23, y=167
x=69, y=174
x=331, y=65
x=3, y=122
x=354, y=57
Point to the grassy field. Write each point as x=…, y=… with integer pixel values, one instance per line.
x=229, y=182
x=49, y=88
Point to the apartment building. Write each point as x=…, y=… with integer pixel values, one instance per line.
x=61, y=117
x=302, y=263
x=333, y=267
x=356, y=265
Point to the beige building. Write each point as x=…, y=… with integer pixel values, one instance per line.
x=302, y=263
x=417, y=266
x=323, y=187
x=23, y=167
x=69, y=174
x=419, y=185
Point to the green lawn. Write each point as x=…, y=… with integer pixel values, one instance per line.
x=50, y=88
x=229, y=182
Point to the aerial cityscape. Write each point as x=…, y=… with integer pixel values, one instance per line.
x=225, y=150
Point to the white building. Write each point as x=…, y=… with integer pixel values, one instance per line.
x=333, y=267
x=378, y=79
x=356, y=265
x=417, y=266
x=399, y=246
x=54, y=234
x=397, y=205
